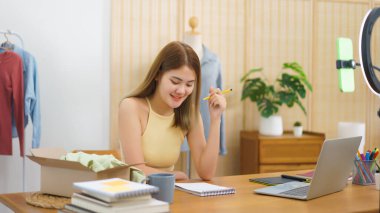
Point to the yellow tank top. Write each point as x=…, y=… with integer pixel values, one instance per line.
x=161, y=142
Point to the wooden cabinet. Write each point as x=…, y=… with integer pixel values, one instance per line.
x=259, y=153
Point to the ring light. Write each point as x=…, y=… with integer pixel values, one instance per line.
x=368, y=68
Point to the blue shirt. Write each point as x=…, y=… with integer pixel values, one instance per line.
x=211, y=75
x=31, y=96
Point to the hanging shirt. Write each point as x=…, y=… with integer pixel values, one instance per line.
x=32, y=97
x=11, y=93
x=211, y=76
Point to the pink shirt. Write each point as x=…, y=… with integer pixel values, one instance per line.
x=11, y=93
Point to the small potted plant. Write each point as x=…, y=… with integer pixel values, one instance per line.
x=297, y=129
x=289, y=88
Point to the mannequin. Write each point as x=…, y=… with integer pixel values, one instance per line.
x=194, y=38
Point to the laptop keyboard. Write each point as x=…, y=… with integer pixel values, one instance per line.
x=301, y=191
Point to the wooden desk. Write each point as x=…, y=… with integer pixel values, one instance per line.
x=17, y=203
x=352, y=199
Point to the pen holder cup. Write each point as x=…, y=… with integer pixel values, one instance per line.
x=364, y=172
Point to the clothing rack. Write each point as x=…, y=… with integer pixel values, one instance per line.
x=6, y=33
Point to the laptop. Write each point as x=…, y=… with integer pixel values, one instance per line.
x=335, y=163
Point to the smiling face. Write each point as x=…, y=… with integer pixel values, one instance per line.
x=175, y=85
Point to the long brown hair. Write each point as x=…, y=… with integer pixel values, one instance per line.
x=173, y=56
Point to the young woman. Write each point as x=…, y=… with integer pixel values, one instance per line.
x=156, y=117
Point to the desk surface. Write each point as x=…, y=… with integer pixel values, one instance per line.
x=353, y=198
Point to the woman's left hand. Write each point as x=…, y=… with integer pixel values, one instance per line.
x=216, y=104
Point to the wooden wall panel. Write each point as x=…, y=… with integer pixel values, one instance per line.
x=336, y=19
x=140, y=28
x=246, y=34
x=277, y=32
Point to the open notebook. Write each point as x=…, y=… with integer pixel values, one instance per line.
x=204, y=189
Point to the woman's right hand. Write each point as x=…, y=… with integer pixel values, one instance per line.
x=217, y=103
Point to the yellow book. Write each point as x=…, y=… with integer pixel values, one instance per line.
x=114, y=189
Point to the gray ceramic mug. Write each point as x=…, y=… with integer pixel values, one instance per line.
x=165, y=182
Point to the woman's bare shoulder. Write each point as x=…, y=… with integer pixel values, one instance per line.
x=133, y=104
x=134, y=110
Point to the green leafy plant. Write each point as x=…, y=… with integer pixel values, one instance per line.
x=288, y=88
x=297, y=123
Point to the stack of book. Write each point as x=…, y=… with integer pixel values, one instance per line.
x=115, y=195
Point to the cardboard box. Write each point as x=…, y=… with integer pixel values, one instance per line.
x=57, y=176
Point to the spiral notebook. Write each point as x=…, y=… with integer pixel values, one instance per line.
x=204, y=189
x=114, y=189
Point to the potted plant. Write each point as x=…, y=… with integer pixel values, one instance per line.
x=297, y=129
x=288, y=88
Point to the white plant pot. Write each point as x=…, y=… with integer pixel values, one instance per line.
x=271, y=126
x=297, y=131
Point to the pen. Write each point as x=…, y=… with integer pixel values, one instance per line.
x=223, y=92
x=358, y=153
x=375, y=155
x=295, y=178
x=367, y=155
x=372, y=154
x=362, y=156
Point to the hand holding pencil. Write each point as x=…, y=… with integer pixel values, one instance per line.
x=226, y=91
x=216, y=102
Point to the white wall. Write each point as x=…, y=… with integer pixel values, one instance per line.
x=70, y=41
